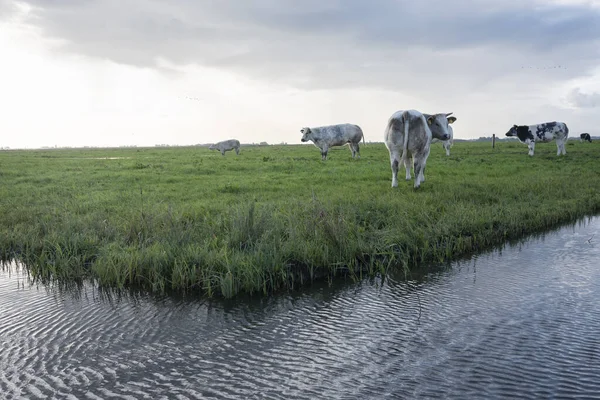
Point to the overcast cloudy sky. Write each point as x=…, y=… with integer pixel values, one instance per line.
x=145, y=72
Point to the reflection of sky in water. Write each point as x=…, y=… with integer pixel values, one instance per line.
x=518, y=321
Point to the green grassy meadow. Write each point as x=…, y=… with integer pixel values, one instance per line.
x=275, y=217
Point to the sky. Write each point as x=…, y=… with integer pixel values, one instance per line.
x=183, y=72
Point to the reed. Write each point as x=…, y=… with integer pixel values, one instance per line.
x=276, y=217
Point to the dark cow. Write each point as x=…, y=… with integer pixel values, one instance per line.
x=409, y=134
x=325, y=137
x=546, y=132
x=585, y=137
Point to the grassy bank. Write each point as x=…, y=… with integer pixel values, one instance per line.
x=274, y=217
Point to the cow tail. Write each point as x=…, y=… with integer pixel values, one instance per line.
x=405, y=120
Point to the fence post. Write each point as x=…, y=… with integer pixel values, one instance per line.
x=493, y=140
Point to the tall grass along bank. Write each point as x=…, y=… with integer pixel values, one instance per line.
x=274, y=217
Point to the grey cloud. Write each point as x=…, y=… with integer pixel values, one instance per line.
x=583, y=100
x=436, y=23
x=443, y=24
x=7, y=9
x=337, y=43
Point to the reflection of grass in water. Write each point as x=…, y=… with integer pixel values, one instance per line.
x=187, y=219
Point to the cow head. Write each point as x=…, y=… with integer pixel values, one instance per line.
x=306, y=134
x=438, y=124
x=212, y=147
x=512, y=131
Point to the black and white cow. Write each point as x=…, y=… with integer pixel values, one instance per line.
x=447, y=144
x=325, y=137
x=546, y=132
x=409, y=134
x=585, y=137
x=226, y=145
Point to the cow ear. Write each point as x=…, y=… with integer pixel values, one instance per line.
x=430, y=119
x=451, y=120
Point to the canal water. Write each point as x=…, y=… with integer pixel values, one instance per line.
x=518, y=322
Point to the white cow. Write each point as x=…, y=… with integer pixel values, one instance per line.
x=325, y=137
x=447, y=144
x=546, y=132
x=409, y=133
x=226, y=145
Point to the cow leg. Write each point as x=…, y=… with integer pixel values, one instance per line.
x=357, y=150
x=395, y=161
x=419, y=167
x=352, y=149
x=237, y=151
x=222, y=152
x=406, y=160
x=423, y=159
x=447, y=148
x=324, y=152
x=531, y=146
x=560, y=144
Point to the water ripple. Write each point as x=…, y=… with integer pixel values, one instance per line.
x=520, y=322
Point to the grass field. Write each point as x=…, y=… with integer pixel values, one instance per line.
x=275, y=217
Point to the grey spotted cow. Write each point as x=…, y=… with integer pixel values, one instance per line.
x=546, y=132
x=226, y=145
x=325, y=137
x=409, y=134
